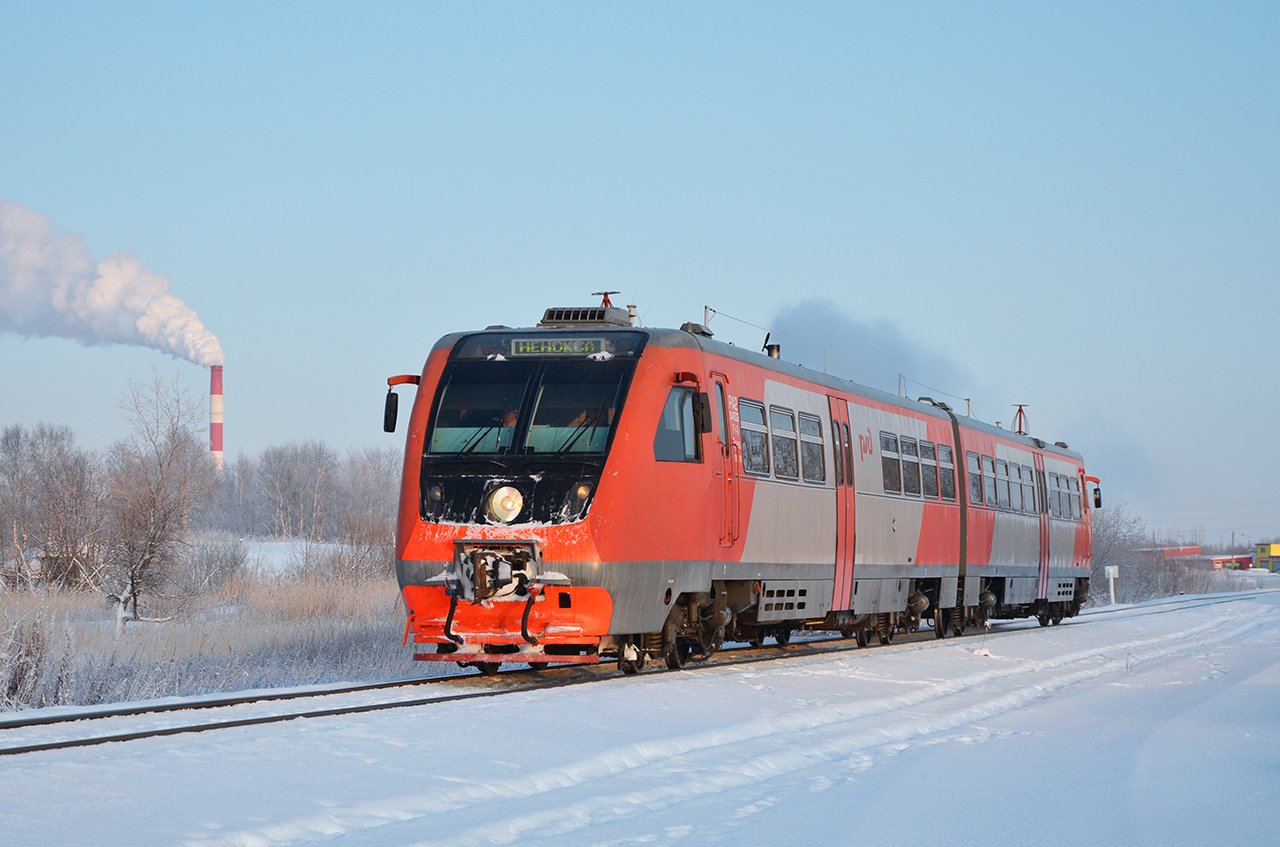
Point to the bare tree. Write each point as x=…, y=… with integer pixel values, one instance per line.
x=298, y=483
x=157, y=477
x=69, y=512
x=50, y=498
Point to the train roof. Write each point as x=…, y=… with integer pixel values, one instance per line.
x=694, y=336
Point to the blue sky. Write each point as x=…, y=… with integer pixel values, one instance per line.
x=1072, y=207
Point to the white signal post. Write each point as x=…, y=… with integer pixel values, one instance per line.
x=1113, y=571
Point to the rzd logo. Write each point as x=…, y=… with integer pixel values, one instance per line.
x=866, y=446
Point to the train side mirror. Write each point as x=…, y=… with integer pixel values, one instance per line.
x=389, y=412
x=702, y=412
x=1097, y=498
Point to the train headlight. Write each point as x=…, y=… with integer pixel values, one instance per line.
x=504, y=504
x=582, y=491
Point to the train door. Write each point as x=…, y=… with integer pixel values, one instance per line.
x=1042, y=590
x=843, y=454
x=725, y=462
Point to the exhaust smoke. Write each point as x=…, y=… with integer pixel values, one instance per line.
x=49, y=287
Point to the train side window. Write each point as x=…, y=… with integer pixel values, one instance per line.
x=889, y=463
x=928, y=469
x=724, y=417
x=1074, y=497
x=677, y=437
x=1002, y=484
x=975, y=479
x=1055, y=496
x=946, y=473
x=1028, y=489
x=848, y=457
x=989, y=479
x=910, y=466
x=1015, y=487
x=786, y=461
x=755, y=438
x=837, y=449
x=813, y=456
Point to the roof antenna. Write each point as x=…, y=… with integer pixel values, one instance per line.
x=605, y=294
x=1020, y=419
x=774, y=351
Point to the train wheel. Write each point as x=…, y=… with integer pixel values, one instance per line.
x=1043, y=618
x=782, y=636
x=486, y=668
x=631, y=656
x=941, y=622
x=846, y=632
x=756, y=641
x=1055, y=618
x=677, y=654
x=957, y=625
x=884, y=628
x=631, y=666
x=864, y=638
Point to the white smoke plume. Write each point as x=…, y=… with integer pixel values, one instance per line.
x=50, y=287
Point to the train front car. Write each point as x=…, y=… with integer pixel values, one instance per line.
x=524, y=518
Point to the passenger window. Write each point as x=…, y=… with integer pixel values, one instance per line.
x=724, y=417
x=1055, y=496
x=975, y=479
x=946, y=473
x=1002, y=484
x=928, y=470
x=813, y=458
x=848, y=457
x=890, y=466
x=910, y=466
x=755, y=438
x=677, y=438
x=786, y=464
x=1074, y=497
x=1015, y=487
x=989, y=479
x=1028, y=489
x=837, y=450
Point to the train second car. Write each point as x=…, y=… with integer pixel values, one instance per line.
x=586, y=489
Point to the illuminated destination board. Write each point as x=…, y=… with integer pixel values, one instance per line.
x=508, y=346
x=573, y=346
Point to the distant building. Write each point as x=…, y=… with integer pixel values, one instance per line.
x=1190, y=557
x=1232, y=562
x=1267, y=556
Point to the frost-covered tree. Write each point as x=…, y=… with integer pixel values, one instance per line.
x=51, y=495
x=156, y=478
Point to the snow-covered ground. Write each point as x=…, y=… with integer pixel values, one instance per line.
x=1131, y=726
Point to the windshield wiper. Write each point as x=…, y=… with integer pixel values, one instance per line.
x=480, y=436
x=594, y=420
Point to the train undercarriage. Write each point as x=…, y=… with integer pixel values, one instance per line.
x=517, y=611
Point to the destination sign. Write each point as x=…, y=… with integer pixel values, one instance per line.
x=562, y=346
x=532, y=346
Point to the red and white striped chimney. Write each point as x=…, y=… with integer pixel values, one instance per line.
x=215, y=415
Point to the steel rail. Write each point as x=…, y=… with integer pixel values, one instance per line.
x=725, y=658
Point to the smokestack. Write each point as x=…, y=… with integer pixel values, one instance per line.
x=215, y=415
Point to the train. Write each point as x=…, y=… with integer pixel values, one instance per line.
x=587, y=489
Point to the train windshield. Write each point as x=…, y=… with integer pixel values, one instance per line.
x=557, y=396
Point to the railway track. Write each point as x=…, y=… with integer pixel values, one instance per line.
x=104, y=726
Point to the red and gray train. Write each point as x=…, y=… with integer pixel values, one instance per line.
x=587, y=489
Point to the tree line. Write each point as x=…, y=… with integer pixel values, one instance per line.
x=127, y=521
